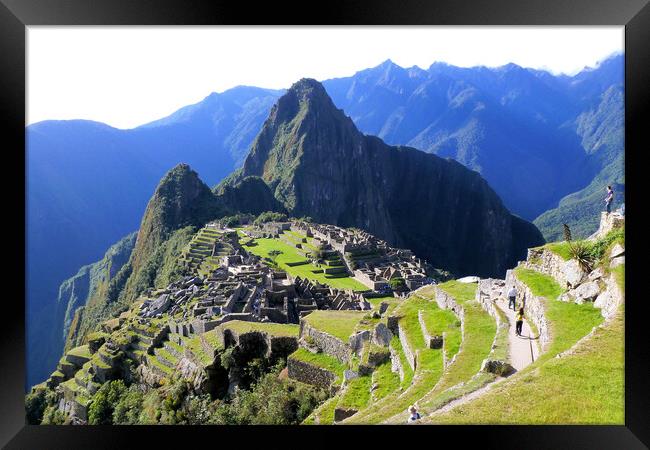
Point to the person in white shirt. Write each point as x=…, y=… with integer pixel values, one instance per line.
x=512, y=298
x=414, y=414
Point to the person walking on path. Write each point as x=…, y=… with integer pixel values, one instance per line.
x=415, y=415
x=520, y=321
x=609, y=199
x=512, y=297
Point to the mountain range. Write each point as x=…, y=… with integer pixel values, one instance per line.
x=546, y=144
x=309, y=159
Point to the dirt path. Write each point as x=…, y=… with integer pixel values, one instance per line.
x=523, y=349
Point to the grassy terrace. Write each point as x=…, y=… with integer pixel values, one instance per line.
x=194, y=346
x=290, y=255
x=392, y=301
x=275, y=329
x=356, y=394
x=480, y=331
x=321, y=360
x=324, y=413
x=429, y=366
x=81, y=351
x=586, y=387
x=461, y=378
x=340, y=324
x=558, y=390
x=569, y=321
x=386, y=380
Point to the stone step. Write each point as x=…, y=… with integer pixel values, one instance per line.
x=165, y=357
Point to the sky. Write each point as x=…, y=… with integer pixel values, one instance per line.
x=128, y=76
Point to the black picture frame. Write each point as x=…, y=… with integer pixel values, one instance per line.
x=15, y=15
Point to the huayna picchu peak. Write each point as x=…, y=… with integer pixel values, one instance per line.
x=318, y=164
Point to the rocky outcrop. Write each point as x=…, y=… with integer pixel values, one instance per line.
x=608, y=222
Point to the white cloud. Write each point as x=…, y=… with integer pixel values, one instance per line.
x=127, y=76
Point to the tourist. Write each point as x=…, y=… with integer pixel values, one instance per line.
x=520, y=321
x=414, y=414
x=512, y=297
x=609, y=199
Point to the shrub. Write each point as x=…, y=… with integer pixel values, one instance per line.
x=35, y=405
x=104, y=401
x=397, y=283
x=52, y=416
x=270, y=216
x=128, y=409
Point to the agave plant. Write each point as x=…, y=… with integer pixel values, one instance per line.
x=580, y=251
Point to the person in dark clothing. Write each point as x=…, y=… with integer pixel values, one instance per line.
x=609, y=199
x=520, y=321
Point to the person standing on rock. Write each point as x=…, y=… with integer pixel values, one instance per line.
x=512, y=297
x=520, y=321
x=609, y=199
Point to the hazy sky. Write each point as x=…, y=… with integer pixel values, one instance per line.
x=127, y=76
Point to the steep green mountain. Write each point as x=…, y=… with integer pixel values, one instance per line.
x=180, y=200
x=180, y=205
x=89, y=283
x=318, y=164
x=603, y=137
x=88, y=185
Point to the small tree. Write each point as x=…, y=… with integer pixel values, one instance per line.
x=567, y=233
x=274, y=255
x=397, y=283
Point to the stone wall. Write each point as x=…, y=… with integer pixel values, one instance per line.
x=310, y=374
x=545, y=261
x=329, y=344
x=396, y=364
x=535, y=310
x=430, y=341
x=410, y=356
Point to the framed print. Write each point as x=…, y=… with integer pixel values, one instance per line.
x=380, y=214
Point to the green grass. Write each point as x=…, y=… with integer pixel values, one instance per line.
x=194, y=346
x=274, y=329
x=290, y=255
x=586, y=387
x=561, y=249
x=152, y=361
x=386, y=380
x=340, y=324
x=356, y=394
x=81, y=351
x=462, y=292
x=435, y=319
x=324, y=413
x=321, y=360
x=568, y=321
x=540, y=284
x=480, y=330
